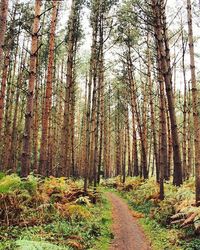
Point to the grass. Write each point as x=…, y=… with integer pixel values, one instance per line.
x=160, y=237
x=106, y=221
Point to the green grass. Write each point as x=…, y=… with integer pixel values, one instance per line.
x=106, y=221
x=37, y=245
x=104, y=239
x=160, y=237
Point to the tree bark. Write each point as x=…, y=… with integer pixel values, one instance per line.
x=3, y=21
x=195, y=102
x=158, y=8
x=48, y=96
x=26, y=154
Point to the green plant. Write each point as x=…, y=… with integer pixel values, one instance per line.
x=50, y=213
x=37, y=245
x=160, y=237
x=9, y=183
x=30, y=184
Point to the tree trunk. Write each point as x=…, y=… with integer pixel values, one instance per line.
x=26, y=154
x=3, y=87
x=150, y=83
x=3, y=21
x=158, y=8
x=48, y=96
x=184, y=145
x=195, y=102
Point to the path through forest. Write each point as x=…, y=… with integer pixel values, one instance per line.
x=127, y=233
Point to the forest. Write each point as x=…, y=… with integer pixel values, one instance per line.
x=99, y=124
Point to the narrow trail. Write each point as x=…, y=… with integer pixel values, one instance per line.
x=128, y=235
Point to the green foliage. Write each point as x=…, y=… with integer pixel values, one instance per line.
x=177, y=200
x=50, y=214
x=9, y=183
x=147, y=191
x=77, y=212
x=193, y=244
x=125, y=32
x=2, y=175
x=105, y=222
x=188, y=241
x=159, y=236
x=30, y=184
x=37, y=245
x=163, y=212
x=80, y=233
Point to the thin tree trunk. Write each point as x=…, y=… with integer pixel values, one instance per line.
x=26, y=154
x=150, y=83
x=158, y=8
x=195, y=103
x=48, y=96
x=3, y=86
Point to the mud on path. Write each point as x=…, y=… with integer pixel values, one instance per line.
x=128, y=235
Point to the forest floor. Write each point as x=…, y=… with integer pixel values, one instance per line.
x=167, y=224
x=128, y=234
x=53, y=213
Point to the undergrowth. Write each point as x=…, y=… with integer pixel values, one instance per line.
x=52, y=213
x=169, y=224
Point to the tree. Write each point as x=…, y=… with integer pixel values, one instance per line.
x=195, y=102
x=48, y=96
x=26, y=154
x=67, y=141
x=3, y=21
x=160, y=30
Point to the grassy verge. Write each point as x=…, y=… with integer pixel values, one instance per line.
x=173, y=223
x=161, y=237
x=104, y=239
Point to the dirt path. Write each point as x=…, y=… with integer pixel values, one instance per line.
x=127, y=233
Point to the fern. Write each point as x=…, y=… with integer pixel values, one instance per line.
x=83, y=201
x=1, y=175
x=77, y=212
x=30, y=184
x=37, y=245
x=9, y=183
